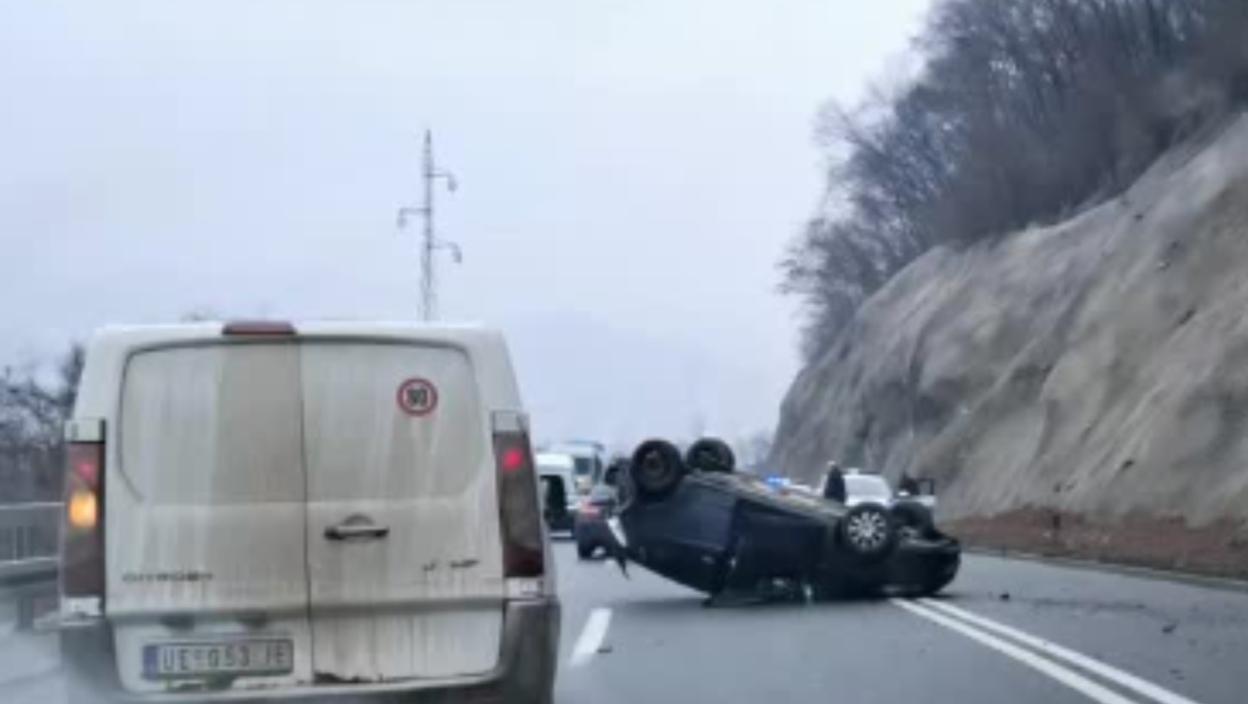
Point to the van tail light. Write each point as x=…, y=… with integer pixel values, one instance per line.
x=82, y=532
x=519, y=514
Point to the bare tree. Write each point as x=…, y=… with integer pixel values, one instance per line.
x=32, y=416
x=1025, y=111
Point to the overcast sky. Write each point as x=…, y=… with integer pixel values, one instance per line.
x=630, y=173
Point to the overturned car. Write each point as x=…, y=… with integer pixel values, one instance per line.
x=696, y=521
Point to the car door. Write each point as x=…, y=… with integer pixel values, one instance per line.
x=404, y=554
x=204, y=519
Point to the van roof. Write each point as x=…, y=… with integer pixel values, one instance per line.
x=471, y=336
x=554, y=460
x=214, y=328
x=111, y=346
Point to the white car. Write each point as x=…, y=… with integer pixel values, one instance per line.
x=867, y=489
x=267, y=510
x=862, y=488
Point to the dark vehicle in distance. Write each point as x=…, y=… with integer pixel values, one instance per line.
x=696, y=521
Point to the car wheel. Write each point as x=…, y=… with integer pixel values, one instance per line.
x=711, y=455
x=915, y=516
x=867, y=531
x=657, y=468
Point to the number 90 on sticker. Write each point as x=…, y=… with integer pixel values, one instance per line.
x=417, y=397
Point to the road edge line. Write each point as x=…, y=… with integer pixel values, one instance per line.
x=1060, y=673
x=1055, y=671
x=592, y=634
x=1118, y=676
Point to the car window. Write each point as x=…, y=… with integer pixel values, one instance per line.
x=554, y=490
x=867, y=487
x=584, y=466
x=558, y=474
x=227, y=432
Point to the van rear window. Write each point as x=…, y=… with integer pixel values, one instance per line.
x=213, y=424
x=584, y=467
x=285, y=421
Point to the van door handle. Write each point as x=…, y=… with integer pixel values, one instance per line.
x=356, y=531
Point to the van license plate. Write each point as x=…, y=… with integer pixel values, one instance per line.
x=242, y=657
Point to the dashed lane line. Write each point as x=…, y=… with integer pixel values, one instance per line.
x=592, y=635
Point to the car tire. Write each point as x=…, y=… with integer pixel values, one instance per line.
x=915, y=516
x=867, y=531
x=711, y=455
x=657, y=468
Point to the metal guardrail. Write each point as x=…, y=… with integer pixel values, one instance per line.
x=29, y=537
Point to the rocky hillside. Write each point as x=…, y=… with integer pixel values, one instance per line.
x=1098, y=367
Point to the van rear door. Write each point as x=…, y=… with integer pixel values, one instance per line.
x=204, y=520
x=404, y=551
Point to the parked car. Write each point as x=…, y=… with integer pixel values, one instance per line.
x=867, y=488
x=861, y=487
x=271, y=510
x=592, y=531
x=557, y=473
x=696, y=521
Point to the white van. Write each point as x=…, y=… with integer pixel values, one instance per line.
x=557, y=473
x=590, y=459
x=261, y=511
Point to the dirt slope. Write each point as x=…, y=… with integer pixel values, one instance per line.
x=1097, y=368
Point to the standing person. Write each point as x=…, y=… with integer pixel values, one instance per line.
x=834, y=483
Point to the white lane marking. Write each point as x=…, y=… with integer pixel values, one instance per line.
x=1070, y=678
x=1113, y=674
x=592, y=635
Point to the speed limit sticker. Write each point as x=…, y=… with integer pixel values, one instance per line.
x=418, y=397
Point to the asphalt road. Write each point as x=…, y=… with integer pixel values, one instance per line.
x=1006, y=631
x=1125, y=639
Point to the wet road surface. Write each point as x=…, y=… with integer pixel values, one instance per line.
x=1006, y=630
